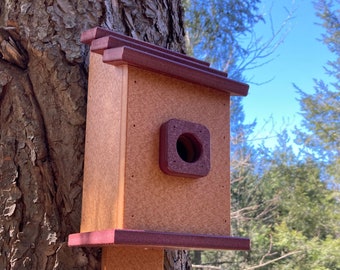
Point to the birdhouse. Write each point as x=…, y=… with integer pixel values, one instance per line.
x=156, y=171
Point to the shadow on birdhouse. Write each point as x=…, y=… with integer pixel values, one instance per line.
x=157, y=168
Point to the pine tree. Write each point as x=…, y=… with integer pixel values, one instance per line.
x=320, y=110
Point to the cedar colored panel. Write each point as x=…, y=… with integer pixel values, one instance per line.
x=132, y=258
x=160, y=202
x=104, y=145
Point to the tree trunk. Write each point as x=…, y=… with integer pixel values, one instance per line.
x=43, y=81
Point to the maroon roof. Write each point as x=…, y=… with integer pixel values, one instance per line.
x=118, y=49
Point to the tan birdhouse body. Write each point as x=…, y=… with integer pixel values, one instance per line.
x=124, y=186
x=157, y=165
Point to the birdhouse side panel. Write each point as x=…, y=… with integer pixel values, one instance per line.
x=153, y=199
x=104, y=146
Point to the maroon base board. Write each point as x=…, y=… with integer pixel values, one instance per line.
x=157, y=239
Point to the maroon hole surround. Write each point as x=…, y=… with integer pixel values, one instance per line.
x=184, y=149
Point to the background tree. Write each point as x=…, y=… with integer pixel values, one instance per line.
x=320, y=110
x=43, y=80
x=302, y=221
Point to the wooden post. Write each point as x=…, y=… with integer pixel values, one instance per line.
x=132, y=258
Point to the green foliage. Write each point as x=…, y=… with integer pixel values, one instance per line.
x=303, y=198
x=297, y=217
x=304, y=216
x=310, y=253
x=321, y=141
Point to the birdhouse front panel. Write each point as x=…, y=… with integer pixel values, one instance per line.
x=154, y=200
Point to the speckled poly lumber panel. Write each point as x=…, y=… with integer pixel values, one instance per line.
x=104, y=145
x=132, y=258
x=154, y=200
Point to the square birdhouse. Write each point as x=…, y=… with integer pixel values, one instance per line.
x=157, y=166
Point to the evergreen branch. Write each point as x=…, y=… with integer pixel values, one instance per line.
x=274, y=260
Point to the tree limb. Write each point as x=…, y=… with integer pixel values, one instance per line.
x=274, y=260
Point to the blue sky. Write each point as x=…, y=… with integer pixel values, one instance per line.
x=298, y=60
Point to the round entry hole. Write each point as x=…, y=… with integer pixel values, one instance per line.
x=188, y=147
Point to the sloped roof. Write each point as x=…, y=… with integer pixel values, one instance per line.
x=119, y=49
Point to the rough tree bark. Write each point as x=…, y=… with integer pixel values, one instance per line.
x=43, y=81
